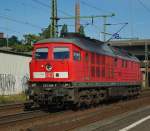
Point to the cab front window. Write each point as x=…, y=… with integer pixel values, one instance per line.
x=61, y=53
x=41, y=53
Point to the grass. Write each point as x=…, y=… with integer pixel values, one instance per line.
x=12, y=98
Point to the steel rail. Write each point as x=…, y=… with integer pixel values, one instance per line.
x=9, y=119
x=10, y=106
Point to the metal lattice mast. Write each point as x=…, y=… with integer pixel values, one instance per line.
x=54, y=19
x=146, y=65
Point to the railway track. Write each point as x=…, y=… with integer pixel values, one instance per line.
x=10, y=119
x=23, y=120
x=7, y=109
x=85, y=117
x=10, y=106
x=145, y=93
x=68, y=119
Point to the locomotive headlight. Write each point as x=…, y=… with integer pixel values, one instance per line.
x=48, y=67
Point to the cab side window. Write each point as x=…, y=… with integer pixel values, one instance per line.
x=77, y=55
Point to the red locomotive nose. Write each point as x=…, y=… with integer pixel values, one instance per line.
x=48, y=67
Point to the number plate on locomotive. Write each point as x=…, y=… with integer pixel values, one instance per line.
x=49, y=75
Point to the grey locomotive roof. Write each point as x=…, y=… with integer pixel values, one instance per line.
x=94, y=46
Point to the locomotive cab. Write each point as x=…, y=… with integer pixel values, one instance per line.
x=50, y=63
x=50, y=73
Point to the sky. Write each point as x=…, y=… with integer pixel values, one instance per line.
x=20, y=17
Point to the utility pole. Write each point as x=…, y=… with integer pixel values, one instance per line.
x=54, y=19
x=146, y=66
x=7, y=41
x=92, y=17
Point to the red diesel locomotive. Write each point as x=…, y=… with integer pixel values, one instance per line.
x=77, y=70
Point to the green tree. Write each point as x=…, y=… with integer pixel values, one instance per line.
x=3, y=42
x=31, y=38
x=63, y=30
x=13, y=40
x=81, y=30
x=27, y=47
x=46, y=32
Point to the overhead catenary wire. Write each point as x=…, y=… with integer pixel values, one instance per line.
x=31, y=6
x=47, y=6
x=125, y=24
x=20, y=22
x=8, y=29
x=144, y=5
x=41, y=3
x=91, y=5
x=88, y=4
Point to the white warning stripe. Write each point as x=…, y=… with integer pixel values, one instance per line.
x=135, y=124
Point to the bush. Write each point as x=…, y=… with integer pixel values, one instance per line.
x=22, y=48
x=12, y=98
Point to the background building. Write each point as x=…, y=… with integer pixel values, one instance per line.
x=14, y=72
x=1, y=35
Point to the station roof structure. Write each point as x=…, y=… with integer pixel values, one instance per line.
x=138, y=42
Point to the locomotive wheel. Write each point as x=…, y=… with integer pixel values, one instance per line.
x=28, y=106
x=102, y=95
x=84, y=99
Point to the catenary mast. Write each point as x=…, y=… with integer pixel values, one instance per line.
x=54, y=19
